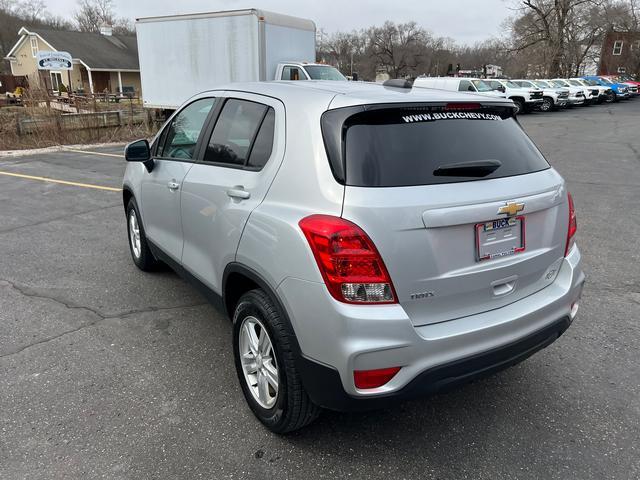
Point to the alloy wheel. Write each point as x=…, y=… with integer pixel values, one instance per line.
x=134, y=234
x=259, y=363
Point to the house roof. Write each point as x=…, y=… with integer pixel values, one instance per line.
x=96, y=51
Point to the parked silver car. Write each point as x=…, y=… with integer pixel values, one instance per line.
x=370, y=243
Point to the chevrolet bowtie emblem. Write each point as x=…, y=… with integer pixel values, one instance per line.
x=511, y=208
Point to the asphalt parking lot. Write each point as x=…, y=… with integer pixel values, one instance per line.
x=108, y=372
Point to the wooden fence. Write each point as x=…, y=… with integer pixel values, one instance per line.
x=76, y=121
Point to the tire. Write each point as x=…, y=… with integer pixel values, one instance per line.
x=138, y=246
x=611, y=97
x=547, y=104
x=519, y=106
x=288, y=407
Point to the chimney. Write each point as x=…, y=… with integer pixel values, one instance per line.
x=106, y=29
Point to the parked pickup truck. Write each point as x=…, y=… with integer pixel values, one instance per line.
x=632, y=85
x=307, y=71
x=628, y=80
x=605, y=94
x=590, y=93
x=576, y=94
x=620, y=90
x=552, y=98
x=526, y=99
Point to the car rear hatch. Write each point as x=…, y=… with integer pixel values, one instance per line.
x=464, y=210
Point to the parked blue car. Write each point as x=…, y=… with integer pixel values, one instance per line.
x=620, y=90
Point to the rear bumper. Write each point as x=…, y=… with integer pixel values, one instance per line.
x=325, y=389
x=335, y=339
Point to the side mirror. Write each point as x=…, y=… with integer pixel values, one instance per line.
x=502, y=89
x=137, y=151
x=471, y=89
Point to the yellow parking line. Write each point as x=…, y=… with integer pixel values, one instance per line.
x=62, y=182
x=94, y=153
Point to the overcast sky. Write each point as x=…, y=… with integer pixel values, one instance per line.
x=466, y=21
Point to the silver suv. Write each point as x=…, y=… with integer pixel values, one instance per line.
x=370, y=243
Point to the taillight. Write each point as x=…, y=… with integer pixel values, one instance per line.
x=374, y=378
x=348, y=260
x=573, y=226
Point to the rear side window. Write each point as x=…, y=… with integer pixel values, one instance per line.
x=243, y=135
x=404, y=147
x=465, y=86
x=263, y=145
x=292, y=73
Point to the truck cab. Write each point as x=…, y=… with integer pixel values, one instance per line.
x=307, y=71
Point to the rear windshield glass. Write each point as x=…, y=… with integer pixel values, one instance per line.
x=398, y=147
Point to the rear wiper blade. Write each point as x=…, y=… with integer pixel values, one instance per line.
x=477, y=168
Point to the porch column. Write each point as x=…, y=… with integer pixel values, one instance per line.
x=90, y=81
x=120, y=82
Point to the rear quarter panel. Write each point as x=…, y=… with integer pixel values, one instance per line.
x=272, y=243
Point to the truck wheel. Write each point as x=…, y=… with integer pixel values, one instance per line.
x=265, y=364
x=547, y=104
x=519, y=105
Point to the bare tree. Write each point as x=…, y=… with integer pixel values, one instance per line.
x=558, y=36
x=26, y=13
x=31, y=10
x=397, y=48
x=8, y=5
x=344, y=50
x=92, y=14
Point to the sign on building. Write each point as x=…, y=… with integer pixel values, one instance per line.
x=54, y=60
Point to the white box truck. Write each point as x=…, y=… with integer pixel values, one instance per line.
x=182, y=55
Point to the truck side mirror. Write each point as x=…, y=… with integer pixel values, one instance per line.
x=501, y=89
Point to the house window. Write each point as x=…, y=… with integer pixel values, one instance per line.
x=635, y=45
x=617, y=47
x=34, y=46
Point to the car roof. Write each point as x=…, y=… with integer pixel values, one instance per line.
x=339, y=94
x=305, y=64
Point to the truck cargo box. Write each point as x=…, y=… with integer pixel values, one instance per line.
x=182, y=55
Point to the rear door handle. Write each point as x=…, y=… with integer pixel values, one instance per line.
x=238, y=192
x=173, y=185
